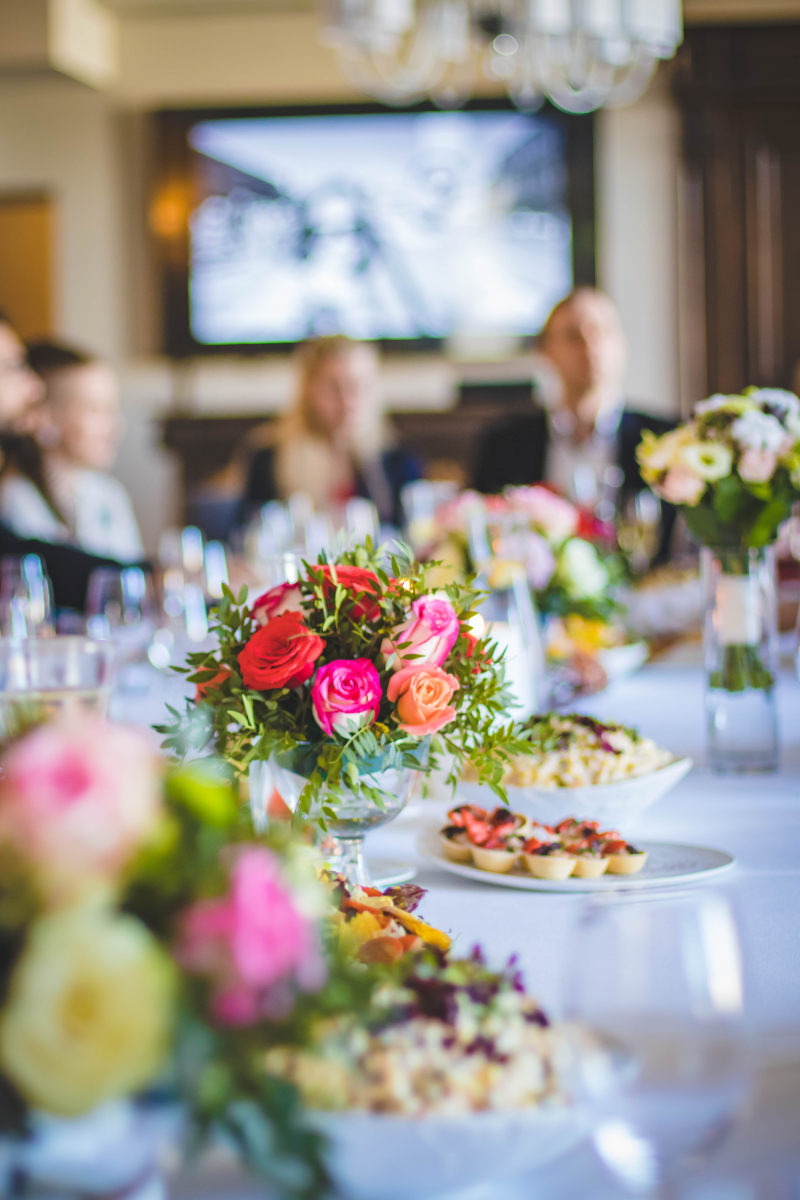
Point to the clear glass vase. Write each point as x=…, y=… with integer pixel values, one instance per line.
x=349, y=816
x=741, y=659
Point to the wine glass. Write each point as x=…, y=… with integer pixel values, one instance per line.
x=48, y=676
x=639, y=528
x=121, y=606
x=26, y=597
x=654, y=985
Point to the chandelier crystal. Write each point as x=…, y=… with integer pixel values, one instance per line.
x=580, y=54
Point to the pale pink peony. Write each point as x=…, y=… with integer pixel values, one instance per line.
x=681, y=486
x=422, y=695
x=426, y=637
x=252, y=944
x=77, y=799
x=553, y=515
x=346, y=695
x=283, y=598
x=757, y=466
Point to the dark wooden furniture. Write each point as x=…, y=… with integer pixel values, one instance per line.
x=739, y=91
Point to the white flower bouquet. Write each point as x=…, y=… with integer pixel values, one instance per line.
x=734, y=468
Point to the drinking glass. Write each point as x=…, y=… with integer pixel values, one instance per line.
x=41, y=677
x=420, y=502
x=121, y=606
x=655, y=988
x=639, y=529
x=26, y=597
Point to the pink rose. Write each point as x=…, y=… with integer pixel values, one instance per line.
x=422, y=695
x=556, y=517
x=681, y=486
x=757, y=466
x=252, y=944
x=283, y=598
x=427, y=636
x=346, y=695
x=77, y=799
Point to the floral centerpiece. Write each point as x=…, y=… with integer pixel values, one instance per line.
x=347, y=682
x=734, y=469
x=566, y=554
x=145, y=934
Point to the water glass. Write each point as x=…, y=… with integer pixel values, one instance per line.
x=26, y=597
x=655, y=986
x=43, y=677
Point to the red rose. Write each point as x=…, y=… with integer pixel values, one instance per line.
x=280, y=654
x=210, y=685
x=362, y=586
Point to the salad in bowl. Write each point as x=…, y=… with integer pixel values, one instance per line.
x=455, y=1079
x=576, y=763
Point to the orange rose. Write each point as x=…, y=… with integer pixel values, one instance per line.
x=422, y=694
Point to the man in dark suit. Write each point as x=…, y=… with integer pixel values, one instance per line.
x=20, y=391
x=585, y=444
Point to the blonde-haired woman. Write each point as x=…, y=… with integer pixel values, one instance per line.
x=332, y=442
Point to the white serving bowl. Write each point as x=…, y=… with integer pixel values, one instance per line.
x=379, y=1156
x=619, y=805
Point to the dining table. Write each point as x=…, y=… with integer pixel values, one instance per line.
x=754, y=818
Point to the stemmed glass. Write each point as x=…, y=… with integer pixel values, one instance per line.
x=26, y=597
x=639, y=529
x=655, y=988
x=121, y=606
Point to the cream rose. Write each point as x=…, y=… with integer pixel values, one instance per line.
x=88, y=1011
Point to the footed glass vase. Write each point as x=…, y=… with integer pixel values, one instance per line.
x=741, y=659
x=349, y=816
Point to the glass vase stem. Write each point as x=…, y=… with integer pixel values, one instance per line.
x=350, y=861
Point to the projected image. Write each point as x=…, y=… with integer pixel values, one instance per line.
x=379, y=226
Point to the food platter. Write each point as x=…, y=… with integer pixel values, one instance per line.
x=669, y=864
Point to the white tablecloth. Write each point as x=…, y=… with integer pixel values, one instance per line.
x=755, y=818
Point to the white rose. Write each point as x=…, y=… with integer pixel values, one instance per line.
x=581, y=569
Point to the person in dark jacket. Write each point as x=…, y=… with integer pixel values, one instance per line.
x=332, y=443
x=585, y=443
x=20, y=393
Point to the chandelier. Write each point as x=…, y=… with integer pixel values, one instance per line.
x=580, y=54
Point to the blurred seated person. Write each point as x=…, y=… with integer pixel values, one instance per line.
x=21, y=393
x=584, y=443
x=332, y=443
x=65, y=493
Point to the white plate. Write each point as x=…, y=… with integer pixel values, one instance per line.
x=669, y=864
